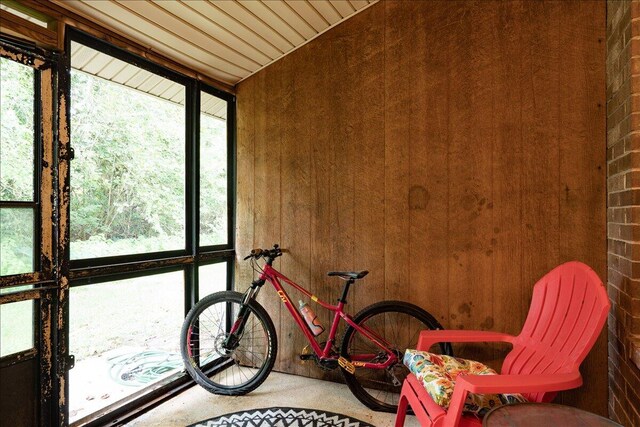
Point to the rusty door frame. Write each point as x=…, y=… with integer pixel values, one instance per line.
x=43, y=280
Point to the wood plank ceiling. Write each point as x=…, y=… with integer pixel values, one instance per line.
x=223, y=39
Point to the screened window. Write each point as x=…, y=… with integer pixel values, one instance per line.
x=149, y=194
x=128, y=176
x=18, y=198
x=16, y=327
x=212, y=278
x=18, y=202
x=125, y=337
x=214, y=211
x=16, y=240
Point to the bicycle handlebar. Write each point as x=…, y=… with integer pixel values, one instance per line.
x=272, y=253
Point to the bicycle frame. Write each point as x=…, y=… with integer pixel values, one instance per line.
x=273, y=276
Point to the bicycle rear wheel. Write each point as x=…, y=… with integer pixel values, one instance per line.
x=399, y=324
x=221, y=368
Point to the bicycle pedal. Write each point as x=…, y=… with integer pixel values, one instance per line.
x=307, y=354
x=346, y=365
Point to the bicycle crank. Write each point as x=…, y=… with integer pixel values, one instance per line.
x=328, y=364
x=307, y=354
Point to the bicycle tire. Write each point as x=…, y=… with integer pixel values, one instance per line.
x=205, y=329
x=374, y=387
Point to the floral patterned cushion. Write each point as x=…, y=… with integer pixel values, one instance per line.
x=438, y=375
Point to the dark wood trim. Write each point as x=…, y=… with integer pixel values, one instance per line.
x=212, y=257
x=146, y=266
x=132, y=267
x=17, y=5
x=14, y=25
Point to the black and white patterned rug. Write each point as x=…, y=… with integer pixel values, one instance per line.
x=282, y=417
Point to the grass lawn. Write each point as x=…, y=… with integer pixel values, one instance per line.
x=125, y=335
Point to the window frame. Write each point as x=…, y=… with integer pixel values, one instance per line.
x=231, y=168
x=192, y=161
x=77, y=36
x=85, y=272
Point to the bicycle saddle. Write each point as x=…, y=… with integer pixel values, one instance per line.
x=346, y=275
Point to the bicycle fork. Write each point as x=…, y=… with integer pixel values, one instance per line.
x=237, y=328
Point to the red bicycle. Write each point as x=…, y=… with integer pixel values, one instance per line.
x=229, y=344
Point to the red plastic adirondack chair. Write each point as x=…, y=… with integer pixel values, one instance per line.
x=568, y=310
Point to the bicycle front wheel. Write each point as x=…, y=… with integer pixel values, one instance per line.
x=398, y=323
x=210, y=359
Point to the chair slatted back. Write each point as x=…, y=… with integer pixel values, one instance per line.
x=568, y=310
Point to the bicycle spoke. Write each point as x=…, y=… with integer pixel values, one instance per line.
x=249, y=355
x=398, y=328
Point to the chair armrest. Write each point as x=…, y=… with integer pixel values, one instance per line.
x=533, y=383
x=428, y=338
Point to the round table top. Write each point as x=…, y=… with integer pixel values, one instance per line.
x=543, y=414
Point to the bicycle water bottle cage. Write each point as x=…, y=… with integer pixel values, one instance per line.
x=348, y=275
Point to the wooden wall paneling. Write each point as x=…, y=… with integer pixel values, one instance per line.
x=540, y=185
x=295, y=199
x=267, y=206
x=506, y=203
x=367, y=136
x=471, y=121
x=321, y=164
x=427, y=196
x=343, y=153
x=342, y=157
x=396, y=153
x=489, y=107
x=582, y=169
x=245, y=182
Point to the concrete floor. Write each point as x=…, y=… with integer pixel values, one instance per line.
x=196, y=404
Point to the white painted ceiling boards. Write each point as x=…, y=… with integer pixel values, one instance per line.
x=227, y=40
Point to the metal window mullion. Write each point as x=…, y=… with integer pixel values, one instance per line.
x=192, y=174
x=8, y=282
x=231, y=268
x=113, y=276
x=231, y=172
x=18, y=204
x=191, y=280
x=192, y=99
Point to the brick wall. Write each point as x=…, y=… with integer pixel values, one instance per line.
x=623, y=157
